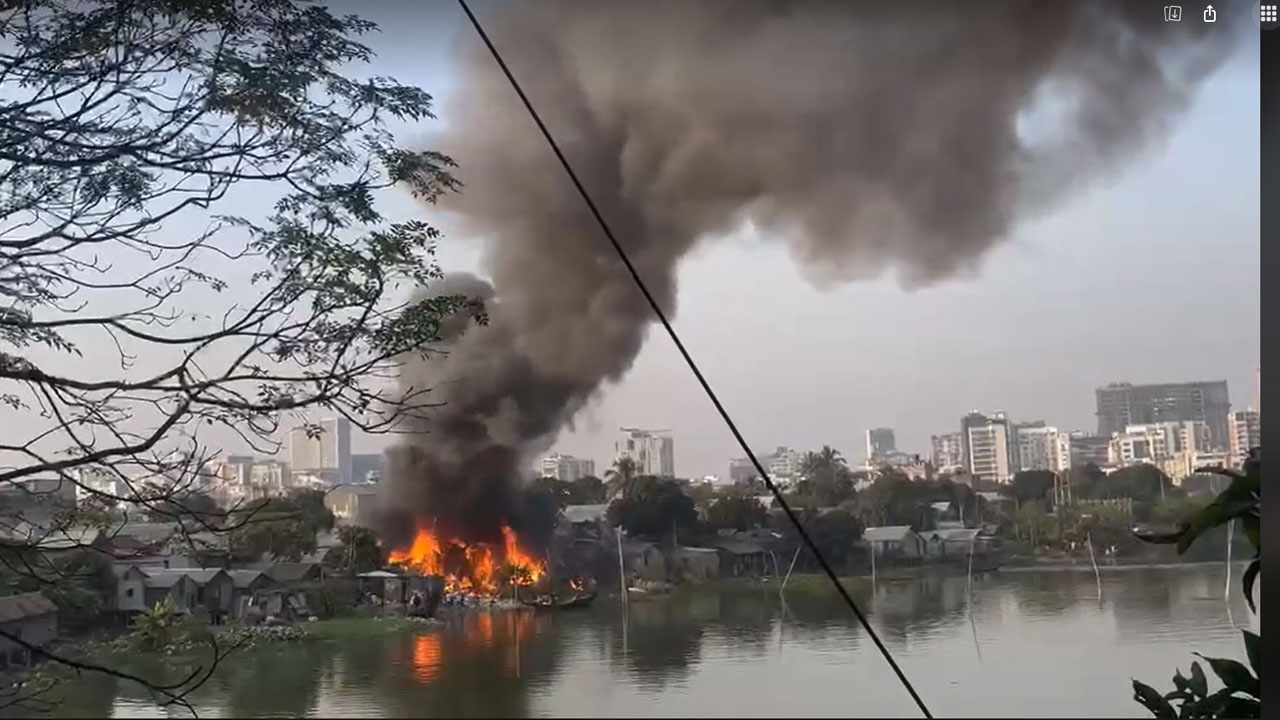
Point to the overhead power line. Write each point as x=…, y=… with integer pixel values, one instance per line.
x=693, y=366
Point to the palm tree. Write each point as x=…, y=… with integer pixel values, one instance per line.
x=825, y=475
x=621, y=477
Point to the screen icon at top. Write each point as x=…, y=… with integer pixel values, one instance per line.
x=1267, y=13
x=1210, y=15
x=1173, y=13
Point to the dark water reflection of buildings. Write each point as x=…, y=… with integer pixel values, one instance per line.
x=517, y=664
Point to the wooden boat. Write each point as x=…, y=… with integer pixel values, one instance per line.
x=577, y=601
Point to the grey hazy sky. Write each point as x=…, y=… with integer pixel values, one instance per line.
x=1151, y=275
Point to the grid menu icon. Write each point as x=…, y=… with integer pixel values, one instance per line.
x=1267, y=13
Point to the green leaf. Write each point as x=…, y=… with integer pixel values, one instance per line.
x=1238, y=707
x=1180, y=682
x=1253, y=646
x=1152, y=701
x=1199, y=685
x=1235, y=676
x=1252, y=525
x=1251, y=575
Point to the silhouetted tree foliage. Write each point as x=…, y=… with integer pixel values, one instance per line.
x=654, y=509
x=736, y=512
x=825, y=478
x=283, y=527
x=895, y=499
x=358, y=551
x=193, y=506
x=1031, y=486
x=588, y=490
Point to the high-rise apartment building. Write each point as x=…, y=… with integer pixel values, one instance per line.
x=327, y=453
x=783, y=465
x=948, y=452
x=1246, y=434
x=880, y=444
x=566, y=467
x=1043, y=447
x=652, y=451
x=1156, y=442
x=988, y=446
x=1122, y=404
x=1089, y=449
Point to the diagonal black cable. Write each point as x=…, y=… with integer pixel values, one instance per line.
x=706, y=387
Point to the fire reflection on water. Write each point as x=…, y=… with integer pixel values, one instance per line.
x=478, y=633
x=428, y=651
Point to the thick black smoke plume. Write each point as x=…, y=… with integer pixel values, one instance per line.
x=869, y=136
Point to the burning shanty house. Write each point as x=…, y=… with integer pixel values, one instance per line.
x=479, y=570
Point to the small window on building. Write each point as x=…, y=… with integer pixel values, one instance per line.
x=128, y=592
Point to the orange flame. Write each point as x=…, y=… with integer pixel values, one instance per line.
x=481, y=570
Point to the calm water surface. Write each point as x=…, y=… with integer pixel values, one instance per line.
x=1034, y=644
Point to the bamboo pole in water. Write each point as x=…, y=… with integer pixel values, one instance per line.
x=972, y=542
x=1097, y=577
x=1226, y=590
x=622, y=571
x=789, y=569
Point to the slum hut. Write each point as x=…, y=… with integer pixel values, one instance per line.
x=583, y=522
x=388, y=587
x=29, y=617
x=698, y=564
x=742, y=558
x=295, y=573
x=173, y=584
x=895, y=543
x=286, y=603
x=131, y=588
x=215, y=591
x=244, y=584
x=643, y=560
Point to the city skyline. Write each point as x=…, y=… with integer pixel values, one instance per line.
x=1052, y=444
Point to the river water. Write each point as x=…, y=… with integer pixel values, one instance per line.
x=1033, y=644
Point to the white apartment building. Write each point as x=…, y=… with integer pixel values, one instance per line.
x=652, y=451
x=1043, y=448
x=1157, y=442
x=988, y=446
x=93, y=480
x=1180, y=466
x=327, y=453
x=948, y=452
x=1244, y=428
x=783, y=465
x=566, y=467
x=272, y=476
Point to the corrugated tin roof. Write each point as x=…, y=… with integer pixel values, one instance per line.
x=953, y=534
x=25, y=605
x=739, y=547
x=290, y=572
x=201, y=576
x=163, y=578
x=891, y=533
x=584, y=513
x=245, y=578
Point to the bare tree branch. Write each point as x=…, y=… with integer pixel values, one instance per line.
x=191, y=253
